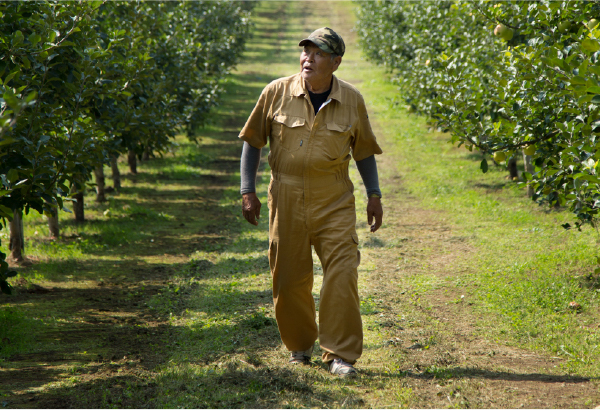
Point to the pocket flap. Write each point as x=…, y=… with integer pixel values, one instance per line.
x=289, y=120
x=332, y=126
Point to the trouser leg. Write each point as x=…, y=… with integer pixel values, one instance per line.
x=292, y=293
x=290, y=258
x=336, y=244
x=340, y=325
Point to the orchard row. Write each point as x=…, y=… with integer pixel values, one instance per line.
x=82, y=83
x=503, y=78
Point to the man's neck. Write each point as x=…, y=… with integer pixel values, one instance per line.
x=321, y=87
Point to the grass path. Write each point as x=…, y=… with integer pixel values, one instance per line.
x=165, y=300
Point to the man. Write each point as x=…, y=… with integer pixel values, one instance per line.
x=313, y=121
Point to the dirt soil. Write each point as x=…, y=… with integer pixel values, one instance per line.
x=111, y=343
x=473, y=371
x=477, y=373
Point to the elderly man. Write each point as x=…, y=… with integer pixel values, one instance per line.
x=313, y=122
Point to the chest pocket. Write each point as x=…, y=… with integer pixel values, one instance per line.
x=289, y=131
x=336, y=140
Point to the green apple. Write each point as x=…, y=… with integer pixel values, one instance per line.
x=529, y=149
x=499, y=30
x=505, y=33
x=564, y=26
x=499, y=156
x=592, y=23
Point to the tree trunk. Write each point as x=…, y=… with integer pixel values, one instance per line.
x=512, y=168
x=528, y=168
x=132, y=160
x=78, y=207
x=99, y=174
x=116, y=175
x=53, y=226
x=17, y=239
x=147, y=152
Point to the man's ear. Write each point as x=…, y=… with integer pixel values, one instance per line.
x=336, y=62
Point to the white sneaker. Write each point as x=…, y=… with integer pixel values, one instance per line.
x=301, y=356
x=342, y=368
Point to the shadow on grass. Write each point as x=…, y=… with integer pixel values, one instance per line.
x=455, y=373
x=229, y=387
x=100, y=344
x=497, y=186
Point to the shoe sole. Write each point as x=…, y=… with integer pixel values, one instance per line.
x=305, y=362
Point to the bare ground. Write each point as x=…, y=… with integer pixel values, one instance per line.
x=445, y=359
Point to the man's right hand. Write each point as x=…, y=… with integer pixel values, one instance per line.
x=251, y=207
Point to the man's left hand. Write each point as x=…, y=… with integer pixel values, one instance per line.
x=375, y=210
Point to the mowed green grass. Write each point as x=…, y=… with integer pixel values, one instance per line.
x=521, y=298
x=223, y=349
x=524, y=268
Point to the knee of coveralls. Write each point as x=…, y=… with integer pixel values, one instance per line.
x=290, y=259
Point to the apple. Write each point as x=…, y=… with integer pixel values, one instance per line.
x=592, y=23
x=505, y=33
x=427, y=63
x=574, y=306
x=529, y=149
x=499, y=156
x=499, y=29
x=508, y=34
x=547, y=190
x=564, y=26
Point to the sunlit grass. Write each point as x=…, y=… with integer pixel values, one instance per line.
x=524, y=268
x=223, y=348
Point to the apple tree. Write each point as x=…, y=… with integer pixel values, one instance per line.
x=48, y=51
x=97, y=79
x=503, y=77
x=169, y=80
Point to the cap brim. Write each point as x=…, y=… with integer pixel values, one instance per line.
x=322, y=45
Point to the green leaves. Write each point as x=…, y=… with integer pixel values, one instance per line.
x=590, y=45
x=34, y=38
x=83, y=81
x=12, y=176
x=594, y=89
x=542, y=87
x=17, y=38
x=484, y=166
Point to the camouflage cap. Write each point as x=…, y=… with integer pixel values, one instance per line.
x=327, y=40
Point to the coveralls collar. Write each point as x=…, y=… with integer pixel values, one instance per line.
x=299, y=88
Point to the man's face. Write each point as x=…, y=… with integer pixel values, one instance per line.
x=316, y=65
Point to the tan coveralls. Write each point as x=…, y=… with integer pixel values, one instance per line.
x=311, y=202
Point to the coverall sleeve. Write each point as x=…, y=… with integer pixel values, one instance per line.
x=364, y=143
x=258, y=127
